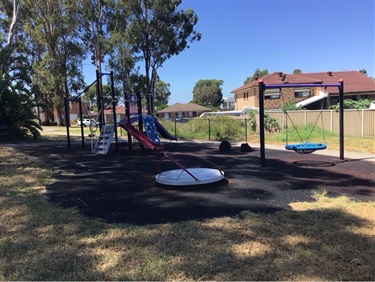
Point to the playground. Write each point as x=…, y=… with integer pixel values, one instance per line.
x=120, y=187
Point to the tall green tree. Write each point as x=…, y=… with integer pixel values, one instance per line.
x=257, y=73
x=15, y=81
x=297, y=71
x=157, y=31
x=53, y=26
x=122, y=59
x=208, y=92
x=161, y=95
x=95, y=15
x=11, y=9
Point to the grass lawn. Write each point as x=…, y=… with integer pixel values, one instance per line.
x=354, y=144
x=328, y=239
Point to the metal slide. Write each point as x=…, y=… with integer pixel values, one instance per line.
x=163, y=132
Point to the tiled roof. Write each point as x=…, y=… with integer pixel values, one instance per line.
x=276, y=78
x=354, y=81
x=189, y=107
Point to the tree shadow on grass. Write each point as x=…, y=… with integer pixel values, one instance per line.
x=319, y=244
x=291, y=245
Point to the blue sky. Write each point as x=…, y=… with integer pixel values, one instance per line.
x=239, y=36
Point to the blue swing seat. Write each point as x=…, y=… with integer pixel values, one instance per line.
x=306, y=148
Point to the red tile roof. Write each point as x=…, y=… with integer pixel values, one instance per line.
x=189, y=107
x=276, y=78
x=354, y=81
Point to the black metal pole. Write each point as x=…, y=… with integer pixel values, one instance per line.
x=140, y=119
x=151, y=108
x=175, y=128
x=127, y=113
x=80, y=116
x=114, y=104
x=261, y=124
x=66, y=101
x=99, y=100
x=341, y=105
x=139, y=106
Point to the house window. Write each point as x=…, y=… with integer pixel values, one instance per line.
x=301, y=93
x=166, y=115
x=272, y=94
x=191, y=114
x=180, y=114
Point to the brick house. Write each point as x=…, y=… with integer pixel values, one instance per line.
x=120, y=113
x=73, y=111
x=179, y=110
x=356, y=86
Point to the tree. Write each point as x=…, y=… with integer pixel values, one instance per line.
x=122, y=60
x=95, y=16
x=15, y=97
x=157, y=30
x=363, y=71
x=161, y=95
x=53, y=26
x=15, y=82
x=208, y=93
x=297, y=71
x=353, y=104
x=6, y=7
x=257, y=73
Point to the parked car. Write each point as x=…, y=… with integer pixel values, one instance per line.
x=86, y=122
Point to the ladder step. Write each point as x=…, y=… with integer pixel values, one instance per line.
x=104, y=140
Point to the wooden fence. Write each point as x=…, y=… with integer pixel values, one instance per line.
x=359, y=123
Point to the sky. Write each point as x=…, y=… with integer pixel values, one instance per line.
x=239, y=36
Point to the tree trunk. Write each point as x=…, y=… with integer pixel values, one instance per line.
x=13, y=23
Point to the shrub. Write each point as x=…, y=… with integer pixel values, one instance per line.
x=271, y=124
x=250, y=115
x=15, y=98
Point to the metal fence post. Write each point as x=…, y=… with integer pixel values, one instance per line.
x=209, y=129
x=245, y=130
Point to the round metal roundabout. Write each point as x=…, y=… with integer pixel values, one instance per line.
x=184, y=176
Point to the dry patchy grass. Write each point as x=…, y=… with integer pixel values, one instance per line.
x=329, y=239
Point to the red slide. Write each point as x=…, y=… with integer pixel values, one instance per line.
x=139, y=136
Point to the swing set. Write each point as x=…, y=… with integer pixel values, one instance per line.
x=305, y=147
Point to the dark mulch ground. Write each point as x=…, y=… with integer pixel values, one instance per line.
x=121, y=186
